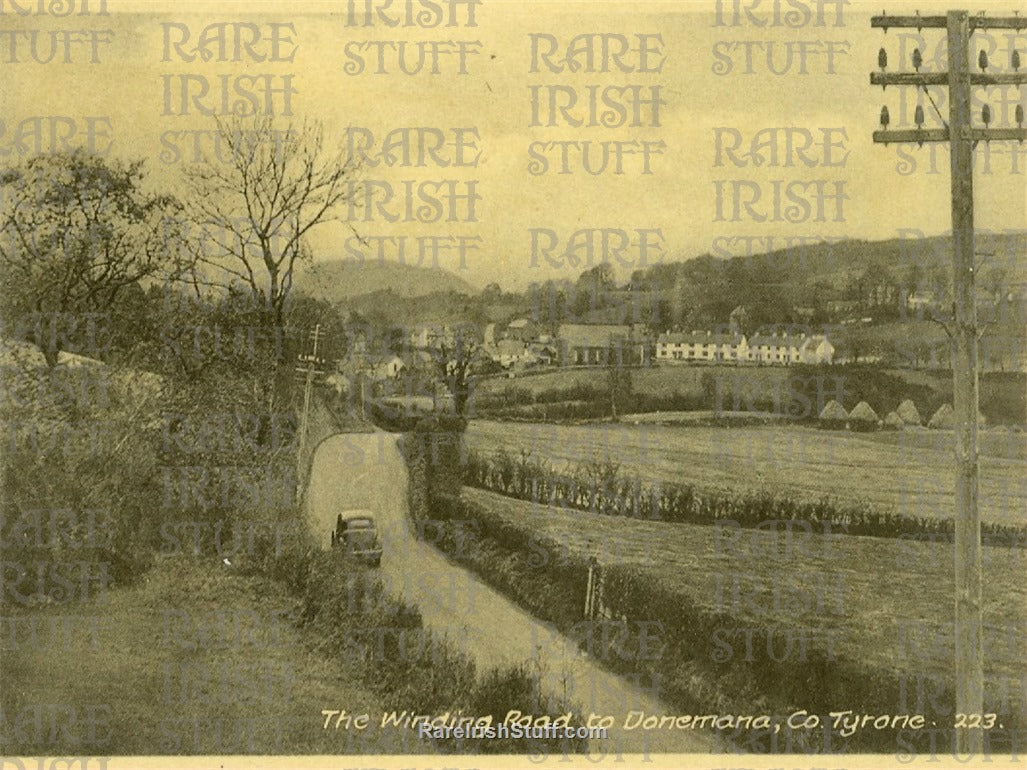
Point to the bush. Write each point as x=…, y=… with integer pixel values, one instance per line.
x=81, y=465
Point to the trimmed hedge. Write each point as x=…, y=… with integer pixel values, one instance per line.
x=693, y=673
x=600, y=488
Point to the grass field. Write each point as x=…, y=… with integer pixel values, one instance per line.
x=911, y=473
x=880, y=602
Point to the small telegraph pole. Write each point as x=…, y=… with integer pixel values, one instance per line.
x=310, y=370
x=962, y=136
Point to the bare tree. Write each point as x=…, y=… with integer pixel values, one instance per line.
x=256, y=202
x=453, y=356
x=76, y=231
x=618, y=377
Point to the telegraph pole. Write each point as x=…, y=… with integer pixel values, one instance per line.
x=311, y=370
x=962, y=137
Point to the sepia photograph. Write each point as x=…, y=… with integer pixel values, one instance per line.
x=479, y=384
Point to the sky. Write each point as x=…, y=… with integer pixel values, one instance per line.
x=757, y=103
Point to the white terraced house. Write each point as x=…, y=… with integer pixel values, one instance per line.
x=732, y=347
x=702, y=346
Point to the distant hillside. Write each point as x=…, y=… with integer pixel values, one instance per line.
x=837, y=263
x=829, y=282
x=846, y=259
x=341, y=279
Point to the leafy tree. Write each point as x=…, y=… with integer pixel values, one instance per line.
x=592, y=289
x=549, y=301
x=306, y=313
x=77, y=232
x=492, y=293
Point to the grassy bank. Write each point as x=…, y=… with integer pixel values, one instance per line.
x=192, y=659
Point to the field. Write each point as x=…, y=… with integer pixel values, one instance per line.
x=886, y=604
x=800, y=391
x=650, y=380
x=909, y=472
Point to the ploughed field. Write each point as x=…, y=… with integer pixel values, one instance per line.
x=880, y=602
x=908, y=472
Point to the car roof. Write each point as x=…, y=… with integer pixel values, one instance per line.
x=359, y=519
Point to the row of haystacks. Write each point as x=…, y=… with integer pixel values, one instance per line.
x=863, y=417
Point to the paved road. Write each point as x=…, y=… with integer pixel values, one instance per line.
x=367, y=470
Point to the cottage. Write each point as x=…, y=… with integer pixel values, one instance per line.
x=544, y=354
x=817, y=349
x=508, y=352
x=375, y=368
x=733, y=347
x=386, y=368
x=426, y=335
x=521, y=329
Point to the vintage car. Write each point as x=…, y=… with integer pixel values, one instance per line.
x=357, y=534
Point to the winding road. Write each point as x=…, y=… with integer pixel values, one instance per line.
x=367, y=470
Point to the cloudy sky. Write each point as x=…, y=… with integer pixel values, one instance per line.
x=720, y=84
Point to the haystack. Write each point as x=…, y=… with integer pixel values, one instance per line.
x=863, y=412
x=908, y=413
x=894, y=421
x=943, y=418
x=833, y=411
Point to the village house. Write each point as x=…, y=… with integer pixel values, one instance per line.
x=508, y=352
x=544, y=353
x=387, y=367
x=511, y=353
x=423, y=336
x=374, y=367
x=521, y=329
x=601, y=344
x=784, y=349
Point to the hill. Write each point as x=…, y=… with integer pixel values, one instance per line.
x=344, y=279
x=835, y=263
x=831, y=281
